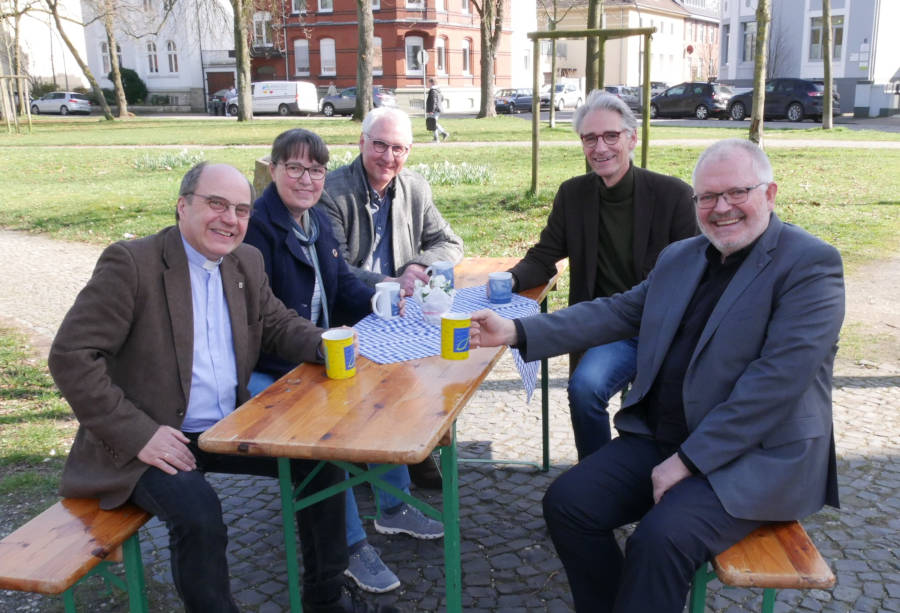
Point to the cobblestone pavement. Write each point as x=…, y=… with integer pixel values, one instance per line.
x=507, y=559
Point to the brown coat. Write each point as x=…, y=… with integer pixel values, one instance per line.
x=123, y=354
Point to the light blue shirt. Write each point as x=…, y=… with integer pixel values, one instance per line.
x=214, y=371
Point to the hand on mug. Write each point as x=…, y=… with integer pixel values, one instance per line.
x=407, y=280
x=490, y=330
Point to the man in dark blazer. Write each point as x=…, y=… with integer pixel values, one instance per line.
x=611, y=223
x=728, y=425
x=159, y=346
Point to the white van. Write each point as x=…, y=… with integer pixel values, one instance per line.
x=285, y=97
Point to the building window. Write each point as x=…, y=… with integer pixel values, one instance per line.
x=298, y=6
x=326, y=51
x=172, y=51
x=262, y=25
x=726, y=40
x=326, y=6
x=465, y=6
x=376, y=4
x=816, y=41
x=439, y=5
x=414, y=46
x=148, y=5
x=415, y=4
x=377, y=61
x=749, y=40
x=152, y=60
x=301, y=56
x=104, y=58
x=440, y=55
x=466, y=56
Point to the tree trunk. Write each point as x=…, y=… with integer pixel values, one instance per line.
x=827, y=120
x=591, y=72
x=491, y=13
x=114, y=58
x=242, y=58
x=95, y=87
x=365, y=99
x=759, y=71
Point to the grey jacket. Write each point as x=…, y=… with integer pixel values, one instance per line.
x=757, y=390
x=419, y=234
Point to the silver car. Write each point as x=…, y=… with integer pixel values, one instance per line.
x=344, y=102
x=62, y=103
x=629, y=95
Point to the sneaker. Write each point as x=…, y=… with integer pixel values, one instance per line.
x=369, y=572
x=444, y=136
x=426, y=474
x=409, y=520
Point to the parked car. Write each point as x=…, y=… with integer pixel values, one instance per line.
x=344, y=101
x=658, y=87
x=794, y=99
x=629, y=95
x=282, y=97
x=566, y=94
x=62, y=103
x=221, y=100
x=517, y=100
x=700, y=99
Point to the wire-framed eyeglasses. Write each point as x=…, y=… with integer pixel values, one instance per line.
x=220, y=205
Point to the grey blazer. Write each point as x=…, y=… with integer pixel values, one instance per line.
x=123, y=354
x=757, y=391
x=419, y=234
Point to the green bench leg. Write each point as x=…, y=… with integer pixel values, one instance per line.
x=703, y=575
x=134, y=578
x=768, y=603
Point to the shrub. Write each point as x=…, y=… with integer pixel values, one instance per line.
x=134, y=86
x=168, y=160
x=39, y=88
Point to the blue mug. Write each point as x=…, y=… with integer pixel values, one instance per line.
x=444, y=269
x=499, y=287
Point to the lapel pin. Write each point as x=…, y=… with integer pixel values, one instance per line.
x=240, y=285
x=334, y=252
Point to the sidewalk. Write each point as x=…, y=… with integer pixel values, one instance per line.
x=508, y=561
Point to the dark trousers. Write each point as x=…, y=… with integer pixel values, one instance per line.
x=611, y=488
x=198, y=538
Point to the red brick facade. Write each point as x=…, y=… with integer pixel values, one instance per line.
x=397, y=24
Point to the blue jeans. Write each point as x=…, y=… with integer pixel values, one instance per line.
x=397, y=476
x=602, y=371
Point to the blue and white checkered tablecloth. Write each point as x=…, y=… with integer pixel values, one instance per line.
x=411, y=337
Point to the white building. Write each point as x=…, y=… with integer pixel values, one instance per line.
x=182, y=56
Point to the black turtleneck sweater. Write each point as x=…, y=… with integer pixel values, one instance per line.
x=615, y=254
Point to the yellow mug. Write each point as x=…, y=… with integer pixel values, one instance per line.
x=340, y=357
x=455, y=335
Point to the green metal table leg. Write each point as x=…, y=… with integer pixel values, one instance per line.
x=452, y=564
x=134, y=575
x=545, y=404
x=69, y=600
x=698, y=589
x=290, y=533
x=768, y=603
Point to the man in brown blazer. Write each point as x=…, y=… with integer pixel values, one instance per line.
x=159, y=346
x=611, y=223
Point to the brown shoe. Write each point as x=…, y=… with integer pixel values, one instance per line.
x=426, y=474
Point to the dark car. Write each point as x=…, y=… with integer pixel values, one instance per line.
x=517, y=100
x=794, y=99
x=694, y=98
x=344, y=102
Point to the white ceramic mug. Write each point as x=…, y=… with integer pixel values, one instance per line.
x=386, y=300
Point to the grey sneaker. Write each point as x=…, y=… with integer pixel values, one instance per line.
x=369, y=572
x=409, y=520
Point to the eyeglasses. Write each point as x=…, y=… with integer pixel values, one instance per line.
x=735, y=195
x=610, y=138
x=380, y=147
x=220, y=205
x=295, y=171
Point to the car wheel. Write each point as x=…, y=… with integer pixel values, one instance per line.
x=232, y=109
x=35, y=110
x=578, y=103
x=328, y=109
x=283, y=110
x=64, y=110
x=560, y=105
x=738, y=112
x=795, y=111
x=701, y=112
x=654, y=112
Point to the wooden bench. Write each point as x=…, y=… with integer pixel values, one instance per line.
x=71, y=541
x=776, y=556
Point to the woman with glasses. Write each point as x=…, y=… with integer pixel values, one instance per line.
x=307, y=272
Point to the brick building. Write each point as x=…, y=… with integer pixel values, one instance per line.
x=317, y=41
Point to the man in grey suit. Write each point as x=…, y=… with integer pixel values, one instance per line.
x=383, y=215
x=728, y=425
x=158, y=347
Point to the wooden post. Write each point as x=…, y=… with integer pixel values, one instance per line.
x=535, y=113
x=645, y=110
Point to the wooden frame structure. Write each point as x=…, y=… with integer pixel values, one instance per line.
x=7, y=101
x=603, y=36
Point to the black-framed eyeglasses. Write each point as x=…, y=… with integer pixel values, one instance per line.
x=220, y=205
x=380, y=147
x=735, y=195
x=610, y=138
x=295, y=171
